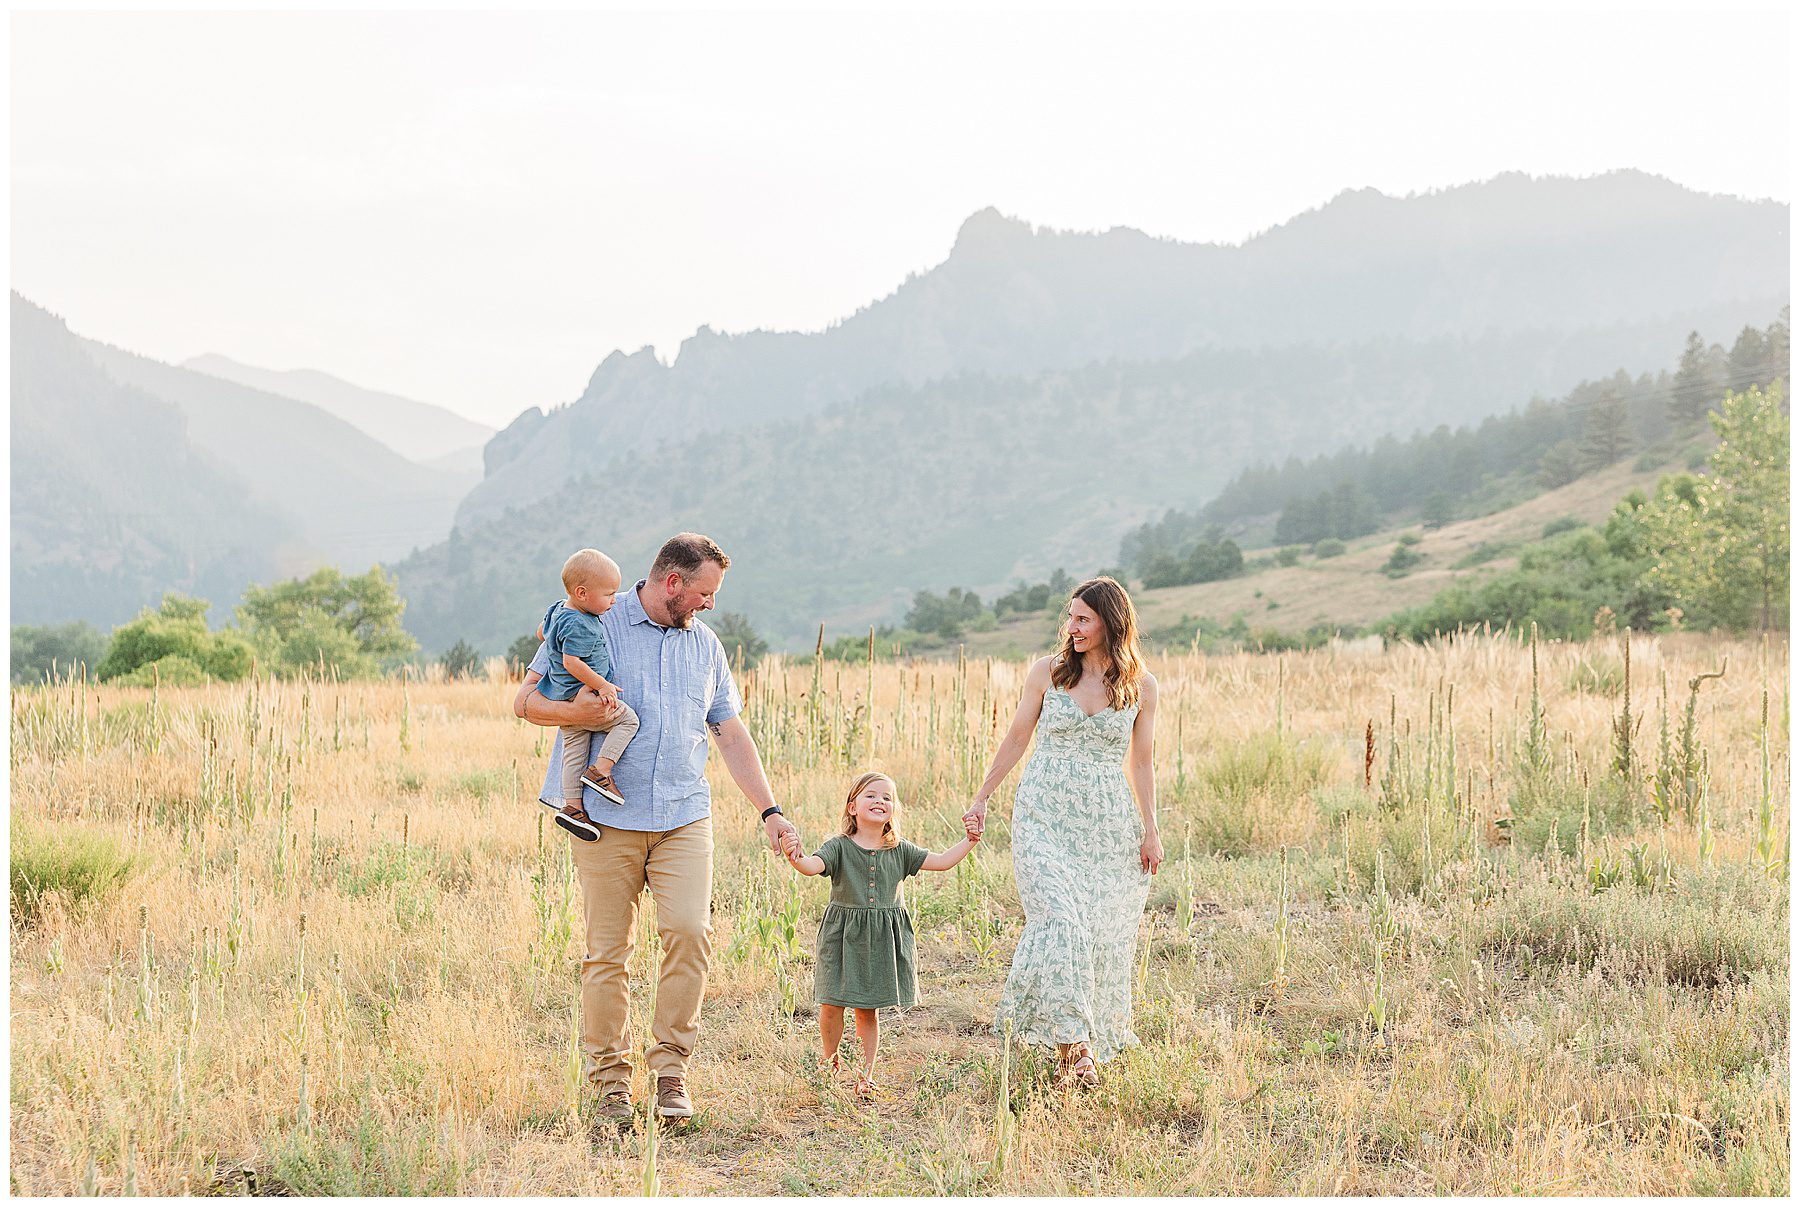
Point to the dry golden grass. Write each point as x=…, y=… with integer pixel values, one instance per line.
x=342, y=957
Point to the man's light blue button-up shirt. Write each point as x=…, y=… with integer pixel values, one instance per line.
x=679, y=682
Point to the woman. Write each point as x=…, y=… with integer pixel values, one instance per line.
x=1082, y=856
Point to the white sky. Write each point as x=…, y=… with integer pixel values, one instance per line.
x=474, y=209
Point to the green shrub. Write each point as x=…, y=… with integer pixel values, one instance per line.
x=1482, y=554
x=178, y=627
x=376, y=1159
x=1561, y=525
x=79, y=867
x=1329, y=547
x=1289, y=556
x=171, y=670
x=1402, y=559
x=1711, y=929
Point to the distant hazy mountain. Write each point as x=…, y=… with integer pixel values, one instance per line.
x=1570, y=258
x=112, y=503
x=354, y=498
x=976, y=480
x=417, y=431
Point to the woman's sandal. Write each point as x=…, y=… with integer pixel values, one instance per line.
x=1082, y=1070
x=865, y=1086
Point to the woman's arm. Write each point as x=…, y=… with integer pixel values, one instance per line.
x=1141, y=763
x=943, y=861
x=1018, y=738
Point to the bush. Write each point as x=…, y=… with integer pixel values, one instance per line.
x=171, y=670
x=177, y=627
x=1289, y=556
x=78, y=867
x=1402, y=559
x=1329, y=547
x=1561, y=525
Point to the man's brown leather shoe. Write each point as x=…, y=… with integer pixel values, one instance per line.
x=672, y=1098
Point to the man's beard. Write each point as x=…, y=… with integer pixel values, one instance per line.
x=682, y=620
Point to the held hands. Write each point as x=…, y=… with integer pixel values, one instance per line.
x=790, y=844
x=975, y=820
x=779, y=829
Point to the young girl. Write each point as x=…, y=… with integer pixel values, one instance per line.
x=865, y=943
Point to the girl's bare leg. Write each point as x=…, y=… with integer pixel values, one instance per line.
x=831, y=1030
x=868, y=1031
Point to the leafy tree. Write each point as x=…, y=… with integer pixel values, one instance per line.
x=39, y=649
x=295, y=620
x=740, y=639
x=944, y=615
x=460, y=660
x=1607, y=436
x=1696, y=384
x=1720, y=541
x=178, y=626
x=314, y=642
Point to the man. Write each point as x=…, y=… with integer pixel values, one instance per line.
x=674, y=673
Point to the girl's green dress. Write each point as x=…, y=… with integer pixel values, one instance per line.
x=865, y=946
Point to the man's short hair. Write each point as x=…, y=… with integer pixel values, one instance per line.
x=684, y=554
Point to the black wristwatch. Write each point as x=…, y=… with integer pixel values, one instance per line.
x=769, y=810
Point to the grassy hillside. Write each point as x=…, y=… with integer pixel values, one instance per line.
x=1349, y=590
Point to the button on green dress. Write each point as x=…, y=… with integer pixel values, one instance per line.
x=865, y=955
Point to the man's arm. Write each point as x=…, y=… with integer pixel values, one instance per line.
x=586, y=710
x=742, y=760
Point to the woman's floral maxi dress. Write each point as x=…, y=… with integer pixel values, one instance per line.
x=1075, y=839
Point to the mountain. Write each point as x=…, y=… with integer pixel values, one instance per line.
x=355, y=499
x=112, y=502
x=974, y=480
x=131, y=477
x=417, y=431
x=1573, y=258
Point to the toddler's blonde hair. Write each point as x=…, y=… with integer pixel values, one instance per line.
x=582, y=565
x=848, y=822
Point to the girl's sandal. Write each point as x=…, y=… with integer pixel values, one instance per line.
x=865, y=1086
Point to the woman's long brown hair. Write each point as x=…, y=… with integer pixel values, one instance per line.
x=1119, y=619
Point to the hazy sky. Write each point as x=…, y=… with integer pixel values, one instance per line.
x=475, y=209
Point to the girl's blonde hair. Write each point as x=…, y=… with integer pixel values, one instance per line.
x=847, y=825
x=1118, y=619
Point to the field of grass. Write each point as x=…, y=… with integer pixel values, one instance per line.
x=1423, y=930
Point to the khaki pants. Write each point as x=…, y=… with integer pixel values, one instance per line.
x=575, y=741
x=676, y=865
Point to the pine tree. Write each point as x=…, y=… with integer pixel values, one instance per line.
x=1778, y=349
x=1747, y=364
x=1696, y=388
x=1607, y=435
